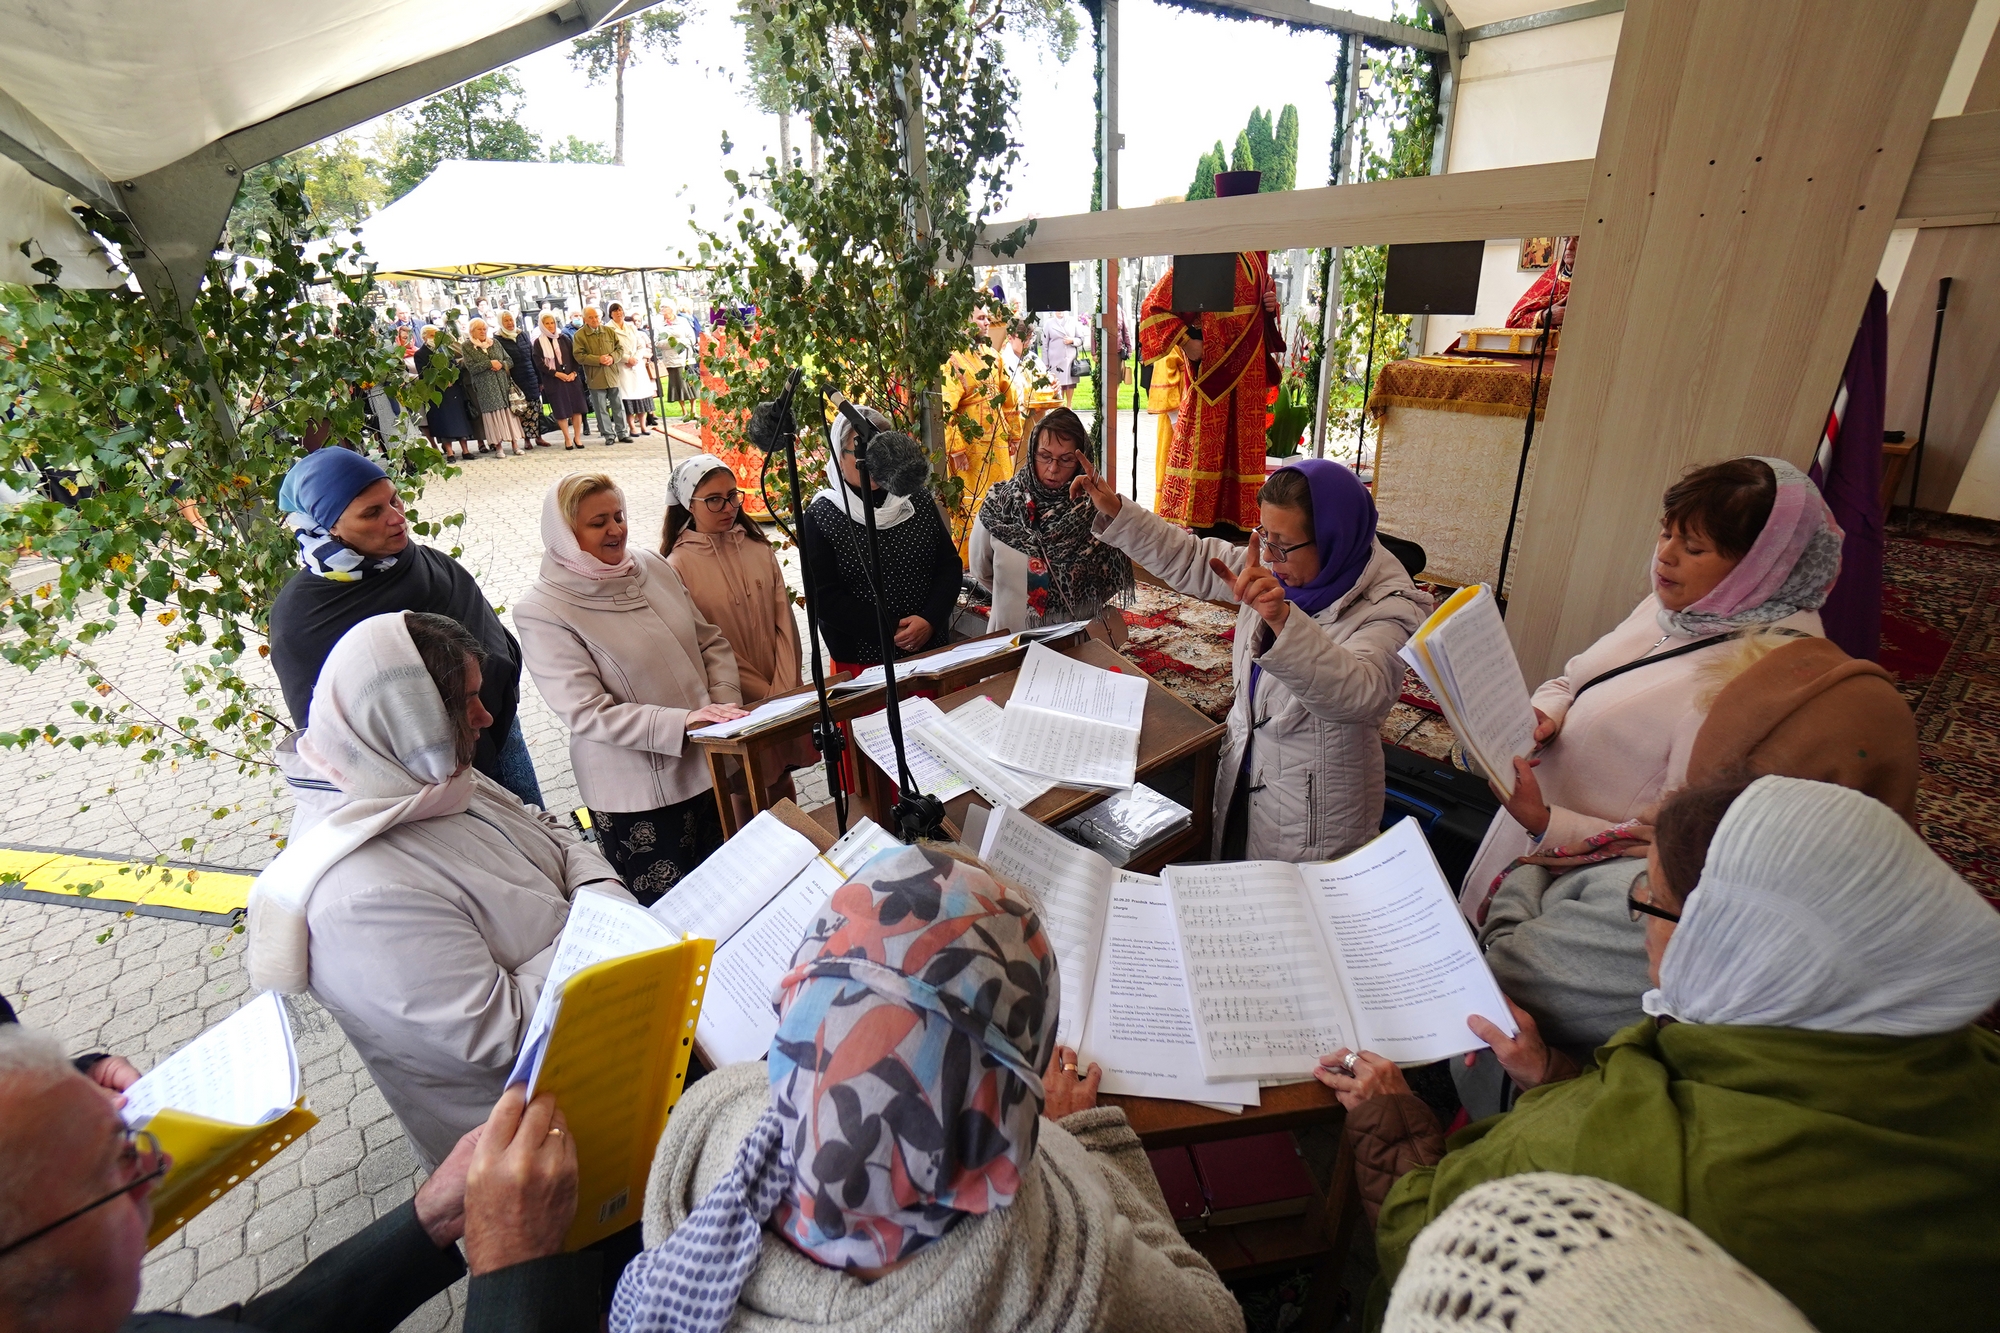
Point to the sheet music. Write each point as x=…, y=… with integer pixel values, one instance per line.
x=1265, y=1001
x=1141, y=1030
x=600, y=927
x=1074, y=885
x=1476, y=674
x=1075, y=751
x=736, y=880
x=738, y=1019
x=242, y=1071
x=1408, y=962
x=771, y=710
x=1064, y=685
x=934, y=775
x=965, y=738
x=859, y=845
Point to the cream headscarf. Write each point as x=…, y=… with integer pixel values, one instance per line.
x=381, y=738
x=892, y=510
x=1819, y=908
x=560, y=539
x=688, y=474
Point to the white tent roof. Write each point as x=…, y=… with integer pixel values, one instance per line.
x=531, y=217
x=154, y=108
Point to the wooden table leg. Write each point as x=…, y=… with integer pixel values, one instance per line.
x=1204, y=800
x=718, y=779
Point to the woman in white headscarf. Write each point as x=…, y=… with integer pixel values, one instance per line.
x=920, y=565
x=627, y=661
x=416, y=899
x=1811, y=1089
x=732, y=573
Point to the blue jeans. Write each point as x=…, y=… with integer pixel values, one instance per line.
x=610, y=410
x=517, y=770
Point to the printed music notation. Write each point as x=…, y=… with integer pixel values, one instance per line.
x=1239, y=944
x=1310, y=1043
x=1247, y=1009
x=1233, y=916
x=1240, y=976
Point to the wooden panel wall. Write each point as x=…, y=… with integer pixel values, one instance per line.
x=1968, y=371
x=1750, y=167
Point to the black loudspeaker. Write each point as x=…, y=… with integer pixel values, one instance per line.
x=1048, y=287
x=1436, y=278
x=1452, y=806
x=1203, y=283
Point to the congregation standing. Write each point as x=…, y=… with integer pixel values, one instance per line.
x=1746, y=990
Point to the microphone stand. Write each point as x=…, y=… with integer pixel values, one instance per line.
x=917, y=814
x=1527, y=440
x=827, y=736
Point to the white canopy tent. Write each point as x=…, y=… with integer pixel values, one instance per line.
x=151, y=110
x=423, y=234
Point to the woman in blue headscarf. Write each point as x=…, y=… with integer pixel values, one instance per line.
x=1324, y=610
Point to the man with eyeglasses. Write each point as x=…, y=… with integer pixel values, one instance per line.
x=75, y=1206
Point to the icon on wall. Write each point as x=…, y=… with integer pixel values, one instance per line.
x=1537, y=253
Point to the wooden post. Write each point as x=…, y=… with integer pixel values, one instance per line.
x=1748, y=173
x=1109, y=365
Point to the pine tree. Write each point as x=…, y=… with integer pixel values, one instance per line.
x=1241, y=158
x=1204, y=174
x=1263, y=147
x=1284, y=171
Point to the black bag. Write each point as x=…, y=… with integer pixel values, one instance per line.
x=1452, y=807
x=1083, y=367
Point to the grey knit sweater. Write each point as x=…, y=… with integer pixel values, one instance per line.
x=1086, y=1245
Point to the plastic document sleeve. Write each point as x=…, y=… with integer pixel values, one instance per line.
x=211, y=1158
x=617, y=1061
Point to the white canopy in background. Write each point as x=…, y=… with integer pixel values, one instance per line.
x=154, y=108
x=496, y=219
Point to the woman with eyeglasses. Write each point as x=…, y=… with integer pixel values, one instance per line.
x=1810, y=1088
x=1324, y=610
x=626, y=659
x=732, y=574
x=1032, y=545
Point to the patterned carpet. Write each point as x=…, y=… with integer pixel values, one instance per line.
x=1940, y=637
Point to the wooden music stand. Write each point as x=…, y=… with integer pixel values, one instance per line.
x=753, y=751
x=1171, y=733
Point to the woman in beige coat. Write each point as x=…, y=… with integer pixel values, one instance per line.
x=416, y=899
x=621, y=653
x=1324, y=610
x=732, y=573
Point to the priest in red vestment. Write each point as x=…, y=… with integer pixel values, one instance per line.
x=1215, y=465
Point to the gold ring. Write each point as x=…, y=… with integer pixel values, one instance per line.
x=1069, y=1069
x=554, y=1133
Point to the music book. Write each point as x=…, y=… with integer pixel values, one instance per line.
x=1462, y=653
x=933, y=774
x=1123, y=999
x=739, y=1019
x=965, y=740
x=610, y=1039
x=1072, y=722
x=223, y=1105
x=1288, y=962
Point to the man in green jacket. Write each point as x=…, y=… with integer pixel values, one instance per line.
x=596, y=349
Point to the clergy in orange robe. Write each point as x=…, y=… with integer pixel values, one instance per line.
x=1216, y=464
x=1164, y=399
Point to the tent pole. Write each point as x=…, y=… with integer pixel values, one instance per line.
x=653, y=341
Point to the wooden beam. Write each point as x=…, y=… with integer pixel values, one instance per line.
x=1338, y=20
x=1956, y=182
x=1544, y=200
x=1748, y=174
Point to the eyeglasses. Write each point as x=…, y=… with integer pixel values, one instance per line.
x=1639, y=907
x=1058, y=460
x=141, y=1154
x=729, y=499
x=1275, y=553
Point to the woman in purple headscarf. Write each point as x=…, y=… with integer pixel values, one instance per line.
x=1324, y=610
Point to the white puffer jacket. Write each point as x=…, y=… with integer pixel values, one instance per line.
x=1328, y=680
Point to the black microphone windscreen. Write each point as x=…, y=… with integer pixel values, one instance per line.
x=763, y=426
x=898, y=463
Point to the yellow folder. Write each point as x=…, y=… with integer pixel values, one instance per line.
x=211, y=1158
x=617, y=1061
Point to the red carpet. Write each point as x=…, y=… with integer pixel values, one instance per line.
x=1941, y=638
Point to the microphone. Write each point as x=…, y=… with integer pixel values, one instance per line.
x=766, y=419
x=896, y=461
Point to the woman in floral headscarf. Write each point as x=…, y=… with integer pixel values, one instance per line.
x=899, y=1162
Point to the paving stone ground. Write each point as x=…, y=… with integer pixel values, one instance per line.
x=143, y=986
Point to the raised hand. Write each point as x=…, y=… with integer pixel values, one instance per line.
x=1104, y=497
x=1255, y=586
